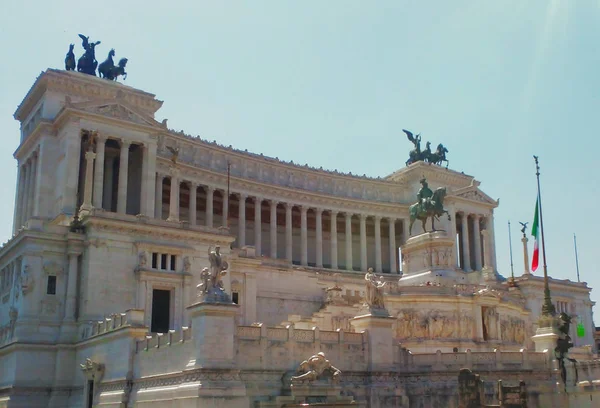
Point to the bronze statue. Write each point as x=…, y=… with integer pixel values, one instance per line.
x=105, y=67
x=524, y=225
x=414, y=155
x=563, y=344
x=87, y=62
x=70, y=59
x=429, y=204
x=437, y=157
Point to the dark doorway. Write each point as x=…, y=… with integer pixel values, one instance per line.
x=161, y=307
x=90, y=394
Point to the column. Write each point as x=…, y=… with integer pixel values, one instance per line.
x=363, y=243
x=487, y=259
x=31, y=204
x=24, y=215
x=99, y=171
x=174, y=197
x=349, y=266
x=225, y=221
x=273, y=229
x=242, y=220
x=477, y=242
x=452, y=232
x=144, y=182
x=288, y=232
x=193, y=207
x=405, y=229
x=258, y=226
x=319, y=237
x=158, y=192
x=210, y=195
x=29, y=208
x=490, y=228
x=107, y=194
x=20, y=198
x=88, y=188
x=71, y=288
x=466, y=255
x=378, y=263
x=393, y=248
x=123, y=175
x=525, y=255
x=303, y=236
x=334, y=243
x=149, y=178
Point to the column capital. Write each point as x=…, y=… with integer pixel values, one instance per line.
x=476, y=216
x=125, y=143
x=258, y=199
x=90, y=155
x=377, y=218
x=243, y=196
x=289, y=206
x=392, y=220
x=209, y=188
x=333, y=212
x=101, y=137
x=304, y=209
x=273, y=203
x=318, y=210
x=363, y=217
x=192, y=184
x=348, y=214
x=484, y=232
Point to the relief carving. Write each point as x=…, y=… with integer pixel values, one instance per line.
x=434, y=324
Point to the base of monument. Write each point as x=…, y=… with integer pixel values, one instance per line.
x=314, y=394
x=430, y=251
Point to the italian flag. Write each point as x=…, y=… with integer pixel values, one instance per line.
x=535, y=231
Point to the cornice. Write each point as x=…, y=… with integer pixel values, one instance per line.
x=43, y=126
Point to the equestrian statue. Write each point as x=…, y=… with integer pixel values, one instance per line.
x=108, y=70
x=415, y=155
x=87, y=62
x=430, y=204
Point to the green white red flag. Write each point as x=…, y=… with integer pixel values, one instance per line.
x=535, y=231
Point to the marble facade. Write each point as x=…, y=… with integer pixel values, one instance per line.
x=110, y=315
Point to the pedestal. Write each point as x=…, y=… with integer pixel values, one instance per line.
x=378, y=327
x=546, y=335
x=427, y=252
x=213, y=332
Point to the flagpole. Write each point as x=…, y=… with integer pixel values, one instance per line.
x=547, y=307
x=512, y=270
x=576, y=257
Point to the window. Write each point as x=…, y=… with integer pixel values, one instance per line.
x=235, y=297
x=51, y=286
x=161, y=311
x=90, y=394
x=164, y=262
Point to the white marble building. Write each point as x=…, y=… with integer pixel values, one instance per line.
x=298, y=241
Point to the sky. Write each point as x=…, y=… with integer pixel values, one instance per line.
x=333, y=83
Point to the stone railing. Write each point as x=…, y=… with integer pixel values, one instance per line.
x=285, y=347
x=492, y=360
x=131, y=318
x=160, y=340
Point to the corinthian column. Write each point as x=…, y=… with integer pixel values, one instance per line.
x=466, y=254
x=258, y=226
x=334, y=243
x=288, y=232
x=303, y=236
x=273, y=229
x=363, y=243
x=349, y=265
x=99, y=171
x=123, y=173
x=242, y=220
x=378, y=263
x=210, y=192
x=525, y=255
x=319, y=237
x=158, y=199
x=86, y=207
x=393, y=248
x=193, y=206
x=477, y=242
x=174, y=197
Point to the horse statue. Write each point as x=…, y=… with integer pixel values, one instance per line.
x=70, y=59
x=426, y=154
x=118, y=70
x=416, y=154
x=105, y=67
x=439, y=156
x=430, y=207
x=87, y=62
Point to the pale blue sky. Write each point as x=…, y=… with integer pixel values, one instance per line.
x=332, y=83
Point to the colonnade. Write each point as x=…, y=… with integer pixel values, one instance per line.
x=25, y=205
x=471, y=229
x=277, y=229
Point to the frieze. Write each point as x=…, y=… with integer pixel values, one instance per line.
x=118, y=111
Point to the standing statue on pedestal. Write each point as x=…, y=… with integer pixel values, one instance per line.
x=87, y=62
x=211, y=285
x=429, y=204
x=374, y=290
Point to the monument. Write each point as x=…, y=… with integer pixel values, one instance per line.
x=87, y=63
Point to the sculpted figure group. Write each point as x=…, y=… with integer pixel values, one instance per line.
x=315, y=368
x=87, y=63
x=211, y=284
x=437, y=157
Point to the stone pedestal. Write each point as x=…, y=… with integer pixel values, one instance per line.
x=213, y=331
x=427, y=252
x=380, y=335
x=546, y=335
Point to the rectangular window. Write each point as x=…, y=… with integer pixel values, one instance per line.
x=51, y=287
x=154, y=260
x=163, y=261
x=90, y=394
x=173, y=262
x=235, y=297
x=161, y=310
